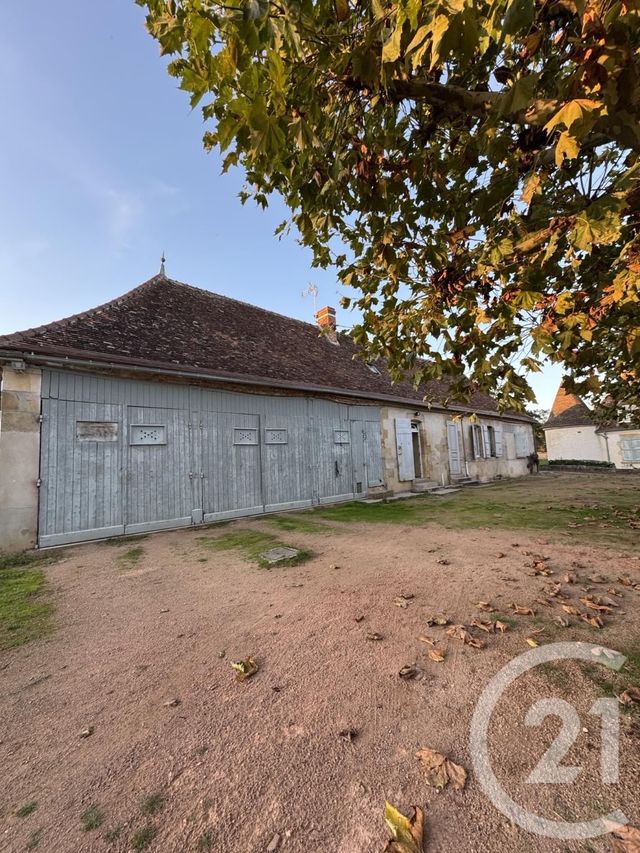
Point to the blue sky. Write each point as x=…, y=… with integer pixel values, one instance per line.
x=102, y=169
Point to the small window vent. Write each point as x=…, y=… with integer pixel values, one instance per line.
x=275, y=436
x=341, y=436
x=143, y=434
x=243, y=435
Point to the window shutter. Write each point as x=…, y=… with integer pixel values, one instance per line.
x=472, y=443
x=498, y=437
x=404, y=449
x=487, y=441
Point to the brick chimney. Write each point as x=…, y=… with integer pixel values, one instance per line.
x=326, y=319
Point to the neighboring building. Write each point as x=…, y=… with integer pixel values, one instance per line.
x=173, y=406
x=573, y=434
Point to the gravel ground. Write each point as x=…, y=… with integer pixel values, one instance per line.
x=141, y=658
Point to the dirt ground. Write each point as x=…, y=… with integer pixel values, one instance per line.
x=140, y=662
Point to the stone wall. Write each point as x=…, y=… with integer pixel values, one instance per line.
x=19, y=458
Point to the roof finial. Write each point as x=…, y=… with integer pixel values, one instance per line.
x=162, y=260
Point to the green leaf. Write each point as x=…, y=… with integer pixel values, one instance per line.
x=519, y=96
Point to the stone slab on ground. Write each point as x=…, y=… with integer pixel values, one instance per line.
x=278, y=555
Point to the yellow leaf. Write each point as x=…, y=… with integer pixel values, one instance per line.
x=408, y=833
x=567, y=147
x=436, y=655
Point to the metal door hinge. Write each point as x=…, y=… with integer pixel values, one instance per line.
x=40, y=419
x=38, y=483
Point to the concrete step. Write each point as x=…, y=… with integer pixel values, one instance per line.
x=424, y=485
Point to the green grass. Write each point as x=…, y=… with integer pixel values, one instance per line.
x=504, y=617
x=92, y=818
x=152, y=804
x=143, y=837
x=594, y=507
x=34, y=840
x=206, y=841
x=25, y=608
x=132, y=557
x=252, y=543
x=112, y=834
x=124, y=540
x=27, y=809
x=299, y=523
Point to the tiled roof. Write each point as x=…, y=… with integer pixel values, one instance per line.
x=569, y=410
x=168, y=325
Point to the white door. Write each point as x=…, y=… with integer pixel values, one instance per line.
x=404, y=447
x=454, y=449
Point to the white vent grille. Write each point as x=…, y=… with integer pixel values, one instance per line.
x=341, y=436
x=148, y=434
x=275, y=436
x=243, y=435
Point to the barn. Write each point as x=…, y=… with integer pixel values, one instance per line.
x=173, y=406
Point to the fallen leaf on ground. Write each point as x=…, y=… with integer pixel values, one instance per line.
x=626, y=839
x=522, y=611
x=172, y=703
x=245, y=668
x=401, y=602
x=437, y=620
x=613, y=591
x=407, y=596
x=436, y=655
x=486, y=606
x=87, y=732
x=562, y=621
x=483, y=625
x=424, y=639
x=570, y=577
x=359, y=618
x=570, y=609
x=630, y=695
x=546, y=602
x=589, y=602
x=374, y=636
x=441, y=770
x=348, y=735
x=532, y=642
x=555, y=590
x=408, y=833
x=598, y=579
x=625, y=581
x=594, y=621
x=475, y=643
x=459, y=632
x=501, y=626
x=408, y=671
x=500, y=555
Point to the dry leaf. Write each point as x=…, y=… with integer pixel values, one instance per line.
x=522, y=611
x=570, y=578
x=562, y=621
x=373, y=636
x=459, y=632
x=408, y=833
x=594, y=621
x=589, y=602
x=483, y=625
x=613, y=591
x=424, y=639
x=500, y=555
x=630, y=695
x=626, y=839
x=440, y=770
x=555, y=590
x=598, y=579
x=408, y=671
x=443, y=562
x=400, y=602
x=532, y=642
x=475, y=643
x=486, y=606
x=437, y=620
x=436, y=655
x=245, y=668
x=570, y=609
x=501, y=626
x=544, y=601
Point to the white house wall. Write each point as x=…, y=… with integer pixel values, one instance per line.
x=578, y=442
x=615, y=447
x=435, y=449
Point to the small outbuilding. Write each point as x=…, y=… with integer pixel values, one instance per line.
x=573, y=434
x=173, y=406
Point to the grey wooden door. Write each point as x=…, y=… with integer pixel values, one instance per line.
x=161, y=478
x=330, y=452
x=287, y=476
x=81, y=492
x=228, y=464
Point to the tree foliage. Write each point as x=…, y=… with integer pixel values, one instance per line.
x=470, y=167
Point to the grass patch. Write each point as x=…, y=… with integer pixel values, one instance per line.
x=143, y=837
x=206, y=841
x=112, y=834
x=504, y=617
x=131, y=557
x=124, y=540
x=27, y=809
x=252, y=543
x=34, y=840
x=593, y=507
x=92, y=818
x=297, y=523
x=25, y=608
x=152, y=804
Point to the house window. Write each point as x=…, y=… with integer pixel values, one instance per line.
x=476, y=441
x=630, y=449
x=492, y=440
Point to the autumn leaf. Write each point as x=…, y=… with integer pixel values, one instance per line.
x=531, y=641
x=459, y=632
x=408, y=833
x=475, y=643
x=594, y=621
x=425, y=639
x=486, y=626
x=570, y=609
x=436, y=655
x=630, y=696
x=501, y=626
x=245, y=668
x=374, y=636
x=437, y=620
x=522, y=611
x=408, y=671
x=626, y=839
x=486, y=606
x=570, y=577
x=593, y=605
x=441, y=770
